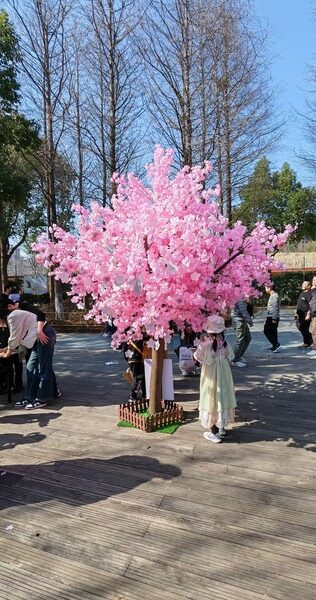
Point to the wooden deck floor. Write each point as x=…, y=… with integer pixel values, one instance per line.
x=91, y=511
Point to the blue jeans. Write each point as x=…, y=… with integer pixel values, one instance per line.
x=39, y=368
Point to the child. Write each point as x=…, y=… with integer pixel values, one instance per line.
x=217, y=394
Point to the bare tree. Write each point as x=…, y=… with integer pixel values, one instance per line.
x=167, y=48
x=208, y=85
x=115, y=102
x=247, y=121
x=42, y=27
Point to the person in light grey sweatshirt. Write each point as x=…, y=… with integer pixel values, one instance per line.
x=23, y=330
x=273, y=317
x=242, y=321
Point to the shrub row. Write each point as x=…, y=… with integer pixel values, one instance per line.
x=288, y=285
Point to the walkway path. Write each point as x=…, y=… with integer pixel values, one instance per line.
x=92, y=511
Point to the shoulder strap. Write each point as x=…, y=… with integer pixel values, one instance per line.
x=136, y=347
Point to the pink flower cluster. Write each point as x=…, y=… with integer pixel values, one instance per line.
x=164, y=253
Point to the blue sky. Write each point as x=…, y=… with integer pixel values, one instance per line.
x=293, y=46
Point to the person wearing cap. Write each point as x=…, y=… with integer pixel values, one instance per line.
x=39, y=368
x=22, y=330
x=217, y=395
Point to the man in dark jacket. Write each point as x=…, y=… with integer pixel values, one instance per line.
x=301, y=315
x=312, y=315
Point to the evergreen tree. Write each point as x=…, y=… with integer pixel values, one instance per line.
x=278, y=198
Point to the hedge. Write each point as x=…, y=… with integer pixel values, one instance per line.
x=288, y=286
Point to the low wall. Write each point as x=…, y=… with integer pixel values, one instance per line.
x=298, y=261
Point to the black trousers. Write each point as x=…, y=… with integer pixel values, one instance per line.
x=18, y=371
x=138, y=388
x=271, y=331
x=303, y=326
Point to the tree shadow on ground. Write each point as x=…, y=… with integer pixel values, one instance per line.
x=278, y=407
x=81, y=481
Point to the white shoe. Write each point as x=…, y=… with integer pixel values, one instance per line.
x=243, y=360
x=35, y=404
x=212, y=437
x=238, y=363
x=311, y=353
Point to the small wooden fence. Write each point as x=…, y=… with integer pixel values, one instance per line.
x=172, y=413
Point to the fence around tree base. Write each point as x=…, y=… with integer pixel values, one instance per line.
x=172, y=413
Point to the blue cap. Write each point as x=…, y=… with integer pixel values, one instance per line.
x=14, y=298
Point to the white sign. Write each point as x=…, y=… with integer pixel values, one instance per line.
x=167, y=378
x=186, y=360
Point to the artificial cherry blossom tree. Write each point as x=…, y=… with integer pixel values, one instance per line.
x=163, y=253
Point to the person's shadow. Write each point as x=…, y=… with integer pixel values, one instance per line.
x=82, y=481
x=42, y=418
x=10, y=440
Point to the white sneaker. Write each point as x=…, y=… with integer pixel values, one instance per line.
x=35, y=404
x=238, y=363
x=311, y=353
x=212, y=437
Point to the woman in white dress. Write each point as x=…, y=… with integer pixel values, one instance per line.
x=217, y=394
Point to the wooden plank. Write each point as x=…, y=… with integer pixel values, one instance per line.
x=227, y=583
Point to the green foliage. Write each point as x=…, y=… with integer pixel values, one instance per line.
x=278, y=199
x=18, y=140
x=19, y=143
x=9, y=57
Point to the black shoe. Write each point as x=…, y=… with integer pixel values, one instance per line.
x=276, y=348
x=21, y=403
x=57, y=394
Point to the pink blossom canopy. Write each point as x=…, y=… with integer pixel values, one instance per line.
x=164, y=253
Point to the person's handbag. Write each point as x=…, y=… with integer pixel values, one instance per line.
x=128, y=376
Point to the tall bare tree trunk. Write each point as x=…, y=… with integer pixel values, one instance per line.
x=4, y=260
x=187, y=94
x=79, y=132
x=44, y=34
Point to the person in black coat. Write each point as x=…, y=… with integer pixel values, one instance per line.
x=302, y=309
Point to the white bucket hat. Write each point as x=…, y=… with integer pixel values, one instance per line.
x=215, y=324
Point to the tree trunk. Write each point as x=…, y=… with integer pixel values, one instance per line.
x=155, y=391
x=59, y=309
x=186, y=75
x=4, y=259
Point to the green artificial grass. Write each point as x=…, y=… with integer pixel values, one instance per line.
x=145, y=413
